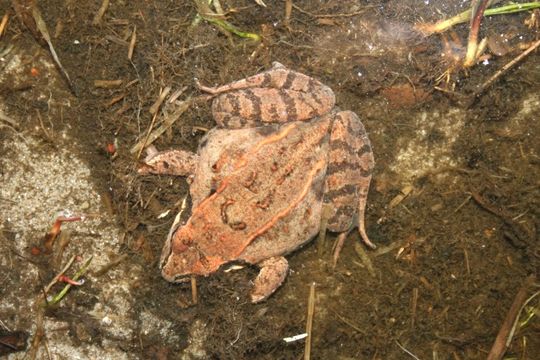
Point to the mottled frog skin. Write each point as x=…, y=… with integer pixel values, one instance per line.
x=281, y=152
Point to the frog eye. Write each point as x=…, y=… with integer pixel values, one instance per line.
x=182, y=245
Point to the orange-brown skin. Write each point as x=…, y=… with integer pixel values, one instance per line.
x=258, y=190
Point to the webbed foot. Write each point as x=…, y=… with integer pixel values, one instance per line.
x=171, y=162
x=273, y=272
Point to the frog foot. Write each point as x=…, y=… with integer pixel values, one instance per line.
x=340, y=241
x=273, y=272
x=171, y=162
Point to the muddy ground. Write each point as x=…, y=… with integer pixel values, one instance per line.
x=453, y=205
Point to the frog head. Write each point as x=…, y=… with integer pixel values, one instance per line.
x=181, y=257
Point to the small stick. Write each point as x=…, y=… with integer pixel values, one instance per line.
x=3, y=24
x=145, y=142
x=505, y=68
x=39, y=333
x=386, y=249
x=520, y=232
x=288, y=11
x=505, y=332
x=47, y=135
x=167, y=123
x=114, y=100
x=194, y=297
x=175, y=95
x=110, y=265
x=414, y=303
x=362, y=254
x=463, y=203
x=348, y=322
x=155, y=107
x=467, y=263
x=407, y=351
x=100, y=13
x=63, y=241
x=42, y=28
x=309, y=321
x=132, y=43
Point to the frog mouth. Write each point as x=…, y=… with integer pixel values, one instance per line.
x=177, y=265
x=172, y=273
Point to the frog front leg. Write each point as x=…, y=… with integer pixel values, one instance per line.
x=275, y=96
x=170, y=162
x=350, y=165
x=272, y=274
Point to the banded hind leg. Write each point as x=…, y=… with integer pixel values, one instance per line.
x=350, y=165
x=277, y=95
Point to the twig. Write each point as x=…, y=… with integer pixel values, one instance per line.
x=155, y=107
x=110, y=265
x=45, y=131
x=194, y=297
x=39, y=332
x=403, y=193
x=147, y=137
x=505, y=68
x=348, y=322
x=462, y=204
x=516, y=227
x=309, y=321
x=288, y=11
x=132, y=43
x=167, y=123
x=505, y=332
x=407, y=351
x=3, y=24
x=386, y=249
x=362, y=254
x=63, y=241
x=414, y=304
x=42, y=28
x=467, y=263
x=100, y=13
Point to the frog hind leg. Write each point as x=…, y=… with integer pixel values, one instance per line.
x=277, y=77
x=272, y=274
x=171, y=162
x=274, y=96
x=350, y=165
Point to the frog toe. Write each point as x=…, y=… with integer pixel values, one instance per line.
x=171, y=162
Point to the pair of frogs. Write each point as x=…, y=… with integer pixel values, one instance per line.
x=281, y=153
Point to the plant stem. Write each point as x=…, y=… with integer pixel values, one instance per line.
x=465, y=16
x=66, y=288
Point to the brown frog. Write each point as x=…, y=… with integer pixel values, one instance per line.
x=259, y=180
